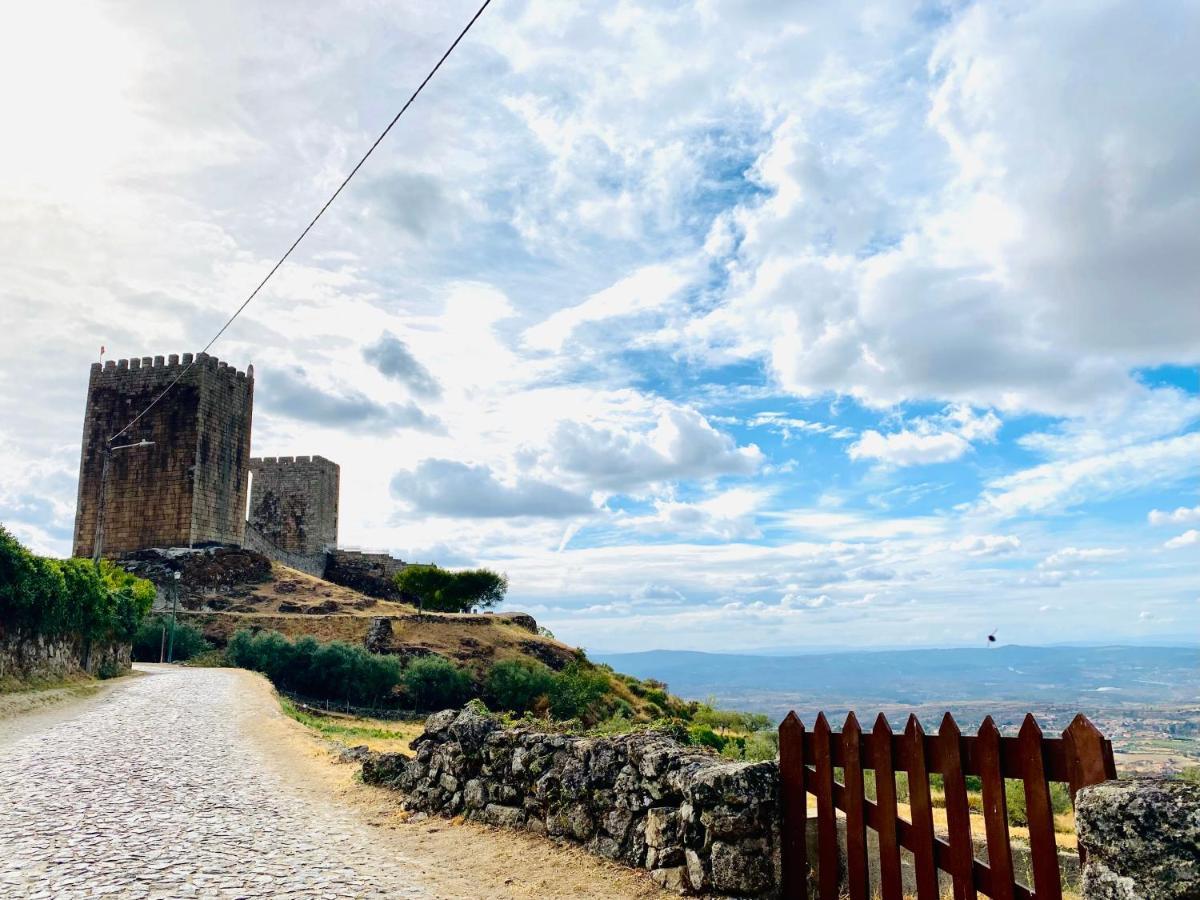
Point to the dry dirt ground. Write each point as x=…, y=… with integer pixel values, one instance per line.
x=241, y=768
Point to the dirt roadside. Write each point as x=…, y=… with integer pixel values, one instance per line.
x=456, y=859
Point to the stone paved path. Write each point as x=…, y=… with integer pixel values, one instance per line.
x=159, y=790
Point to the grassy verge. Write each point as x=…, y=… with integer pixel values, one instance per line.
x=380, y=735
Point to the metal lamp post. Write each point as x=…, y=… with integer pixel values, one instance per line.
x=98, y=543
x=174, y=607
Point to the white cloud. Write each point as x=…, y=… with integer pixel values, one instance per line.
x=987, y=544
x=448, y=488
x=730, y=515
x=682, y=444
x=1074, y=555
x=647, y=288
x=1053, y=486
x=905, y=448
x=1180, y=516
x=935, y=439
x=1187, y=539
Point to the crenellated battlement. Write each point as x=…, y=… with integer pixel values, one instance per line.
x=262, y=462
x=187, y=484
x=172, y=363
x=294, y=502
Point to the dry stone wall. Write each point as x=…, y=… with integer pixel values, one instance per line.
x=700, y=824
x=189, y=486
x=29, y=657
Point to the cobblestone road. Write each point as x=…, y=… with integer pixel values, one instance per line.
x=159, y=790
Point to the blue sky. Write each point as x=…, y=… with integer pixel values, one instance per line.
x=724, y=324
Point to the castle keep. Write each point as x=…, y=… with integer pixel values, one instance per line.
x=294, y=502
x=189, y=487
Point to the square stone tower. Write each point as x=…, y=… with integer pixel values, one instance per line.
x=189, y=488
x=294, y=502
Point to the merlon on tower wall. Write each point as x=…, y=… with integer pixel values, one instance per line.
x=189, y=488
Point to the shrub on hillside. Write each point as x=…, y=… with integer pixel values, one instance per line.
x=516, y=685
x=155, y=634
x=579, y=692
x=434, y=682
x=334, y=670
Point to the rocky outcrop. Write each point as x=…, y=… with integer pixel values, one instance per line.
x=1141, y=838
x=696, y=821
x=209, y=577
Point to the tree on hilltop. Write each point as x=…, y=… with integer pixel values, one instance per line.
x=445, y=591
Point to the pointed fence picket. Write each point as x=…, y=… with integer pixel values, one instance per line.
x=807, y=760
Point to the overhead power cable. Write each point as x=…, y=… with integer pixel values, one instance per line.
x=309, y=226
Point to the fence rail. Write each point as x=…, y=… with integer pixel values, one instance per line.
x=807, y=760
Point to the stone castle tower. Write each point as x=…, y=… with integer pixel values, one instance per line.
x=294, y=502
x=189, y=488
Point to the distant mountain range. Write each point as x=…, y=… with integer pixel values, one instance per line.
x=1089, y=678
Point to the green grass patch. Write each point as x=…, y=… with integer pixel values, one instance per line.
x=334, y=729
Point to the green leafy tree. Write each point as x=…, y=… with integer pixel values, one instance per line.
x=333, y=670
x=148, y=640
x=518, y=684
x=444, y=590
x=434, y=682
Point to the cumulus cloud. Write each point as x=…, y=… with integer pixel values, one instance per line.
x=936, y=439
x=447, y=488
x=1187, y=539
x=289, y=392
x=1180, y=516
x=730, y=515
x=681, y=445
x=659, y=592
x=394, y=360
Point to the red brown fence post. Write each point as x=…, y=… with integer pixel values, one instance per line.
x=958, y=812
x=827, y=842
x=857, y=879
x=794, y=851
x=921, y=804
x=1042, y=848
x=995, y=810
x=891, y=885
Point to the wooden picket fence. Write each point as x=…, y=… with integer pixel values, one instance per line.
x=807, y=759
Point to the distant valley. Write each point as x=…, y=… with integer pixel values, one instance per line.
x=1086, y=678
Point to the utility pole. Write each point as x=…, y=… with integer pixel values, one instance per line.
x=174, y=607
x=98, y=542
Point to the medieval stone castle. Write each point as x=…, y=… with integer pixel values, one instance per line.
x=188, y=486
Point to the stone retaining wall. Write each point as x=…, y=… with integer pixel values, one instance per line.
x=26, y=658
x=697, y=822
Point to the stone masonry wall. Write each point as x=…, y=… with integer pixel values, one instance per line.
x=189, y=487
x=24, y=658
x=294, y=502
x=312, y=563
x=697, y=822
x=368, y=573
x=1141, y=838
